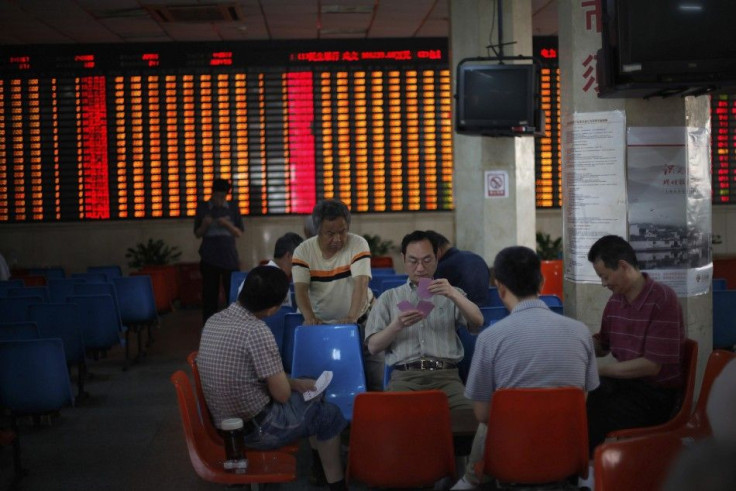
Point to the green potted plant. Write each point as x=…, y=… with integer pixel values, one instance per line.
x=550, y=253
x=152, y=253
x=380, y=250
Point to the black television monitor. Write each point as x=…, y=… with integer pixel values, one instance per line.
x=497, y=99
x=664, y=47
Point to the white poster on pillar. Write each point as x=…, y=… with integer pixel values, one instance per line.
x=669, y=192
x=593, y=177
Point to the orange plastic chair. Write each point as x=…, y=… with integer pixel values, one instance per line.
x=401, y=439
x=697, y=425
x=204, y=411
x=207, y=457
x=690, y=368
x=636, y=463
x=536, y=435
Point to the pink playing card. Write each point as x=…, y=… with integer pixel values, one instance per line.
x=425, y=307
x=405, y=306
x=423, y=288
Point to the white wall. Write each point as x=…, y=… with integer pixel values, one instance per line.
x=76, y=246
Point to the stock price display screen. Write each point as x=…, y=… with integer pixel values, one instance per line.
x=126, y=132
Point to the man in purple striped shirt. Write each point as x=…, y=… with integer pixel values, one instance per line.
x=643, y=328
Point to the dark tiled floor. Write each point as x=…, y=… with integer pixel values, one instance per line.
x=128, y=434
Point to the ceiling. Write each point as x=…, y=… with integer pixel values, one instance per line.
x=145, y=21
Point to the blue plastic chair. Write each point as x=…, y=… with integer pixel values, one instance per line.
x=720, y=284
x=334, y=347
x=236, y=278
x=275, y=322
x=291, y=322
x=110, y=271
x=382, y=271
x=62, y=320
x=14, y=331
x=34, y=380
x=724, y=319
x=100, y=321
x=494, y=298
x=492, y=314
x=15, y=309
x=137, y=307
x=551, y=300
x=468, y=340
x=375, y=282
x=30, y=291
x=557, y=309
x=60, y=289
x=90, y=277
x=8, y=284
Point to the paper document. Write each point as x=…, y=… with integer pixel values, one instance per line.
x=319, y=385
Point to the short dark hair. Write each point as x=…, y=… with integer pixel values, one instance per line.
x=264, y=287
x=440, y=239
x=286, y=244
x=220, y=185
x=611, y=249
x=418, y=236
x=329, y=209
x=519, y=269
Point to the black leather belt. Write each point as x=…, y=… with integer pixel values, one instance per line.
x=426, y=364
x=253, y=423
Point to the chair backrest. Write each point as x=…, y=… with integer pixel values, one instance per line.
x=636, y=463
x=551, y=300
x=110, y=271
x=34, y=378
x=382, y=271
x=492, y=314
x=557, y=309
x=106, y=288
x=99, y=319
x=401, y=439
x=686, y=398
x=90, y=277
x=136, y=299
x=30, y=291
x=724, y=319
x=333, y=347
x=536, y=435
x=720, y=284
x=15, y=309
x=5, y=285
x=376, y=280
x=495, y=299
x=468, y=340
x=207, y=456
x=61, y=320
x=275, y=322
x=61, y=288
x=14, y=331
x=716, y=361
x=291, y=322
x=236, y=278
x=204, y=411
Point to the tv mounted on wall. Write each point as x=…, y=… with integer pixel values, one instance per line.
x=497, y=99
x=667, y=47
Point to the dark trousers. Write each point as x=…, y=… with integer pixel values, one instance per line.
x=626, y=403
x=212, y=278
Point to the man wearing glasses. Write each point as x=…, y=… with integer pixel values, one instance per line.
x=415, y=323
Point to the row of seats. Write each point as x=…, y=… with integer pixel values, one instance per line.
x=46, y=329
x=534, y=436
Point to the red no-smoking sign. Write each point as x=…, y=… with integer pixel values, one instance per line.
x=497, y=184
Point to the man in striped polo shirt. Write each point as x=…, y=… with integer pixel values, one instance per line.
x=642, y=327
